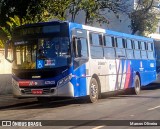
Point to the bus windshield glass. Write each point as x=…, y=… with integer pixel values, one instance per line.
x=42, y=53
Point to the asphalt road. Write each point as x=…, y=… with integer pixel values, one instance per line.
x=81, y=115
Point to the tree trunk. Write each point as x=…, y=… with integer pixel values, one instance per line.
x=87, y=17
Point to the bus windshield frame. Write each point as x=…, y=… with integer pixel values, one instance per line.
x=41, y=47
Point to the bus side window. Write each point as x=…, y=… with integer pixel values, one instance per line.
x=150, y=51
x=77, y=47
x=137, y=53
x=84, y=48
x=80, y=50
x=124, y=43
x=96, y=45
x=74, y=46
x=143, y=47
x=129, y=44
x=114, y=42
x=80, y=47
x=150, y=47
x=108, y=41
x=120, y=51
x=143, y=50
x=96, y=39
x=146, y=46
x=129, y=49
x=139, y=44
x=109, y=50
x=136, y=45
x=120, y=43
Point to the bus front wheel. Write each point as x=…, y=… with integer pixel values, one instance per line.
x=94, y=91
x=137, y=85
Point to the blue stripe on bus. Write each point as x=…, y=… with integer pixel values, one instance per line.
x=79, y=81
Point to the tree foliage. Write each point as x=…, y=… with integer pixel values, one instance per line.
x=89, y=7
x=5, y=32
x=144, y=18
x=10, y=8
x=95, y=10
x=17, y=12
x=44, y=10
x=1, y=44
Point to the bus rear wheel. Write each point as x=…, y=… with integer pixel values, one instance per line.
x=94, y=91
x=137, y=85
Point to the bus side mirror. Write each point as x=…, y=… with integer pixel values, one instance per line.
x=9, y=51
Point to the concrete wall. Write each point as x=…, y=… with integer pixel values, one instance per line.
x=5, y=74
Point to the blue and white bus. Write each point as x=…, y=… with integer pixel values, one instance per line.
x=157, y=54
x=64, y=59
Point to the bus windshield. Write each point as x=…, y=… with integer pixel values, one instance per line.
x=42, y=53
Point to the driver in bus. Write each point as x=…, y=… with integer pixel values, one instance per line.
x=41, y=53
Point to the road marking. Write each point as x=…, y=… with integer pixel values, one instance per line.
x=98, y=127
x=153, y=108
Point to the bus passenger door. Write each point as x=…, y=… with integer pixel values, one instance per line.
x=80, y=58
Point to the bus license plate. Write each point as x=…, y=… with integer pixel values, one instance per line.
x=37, y=91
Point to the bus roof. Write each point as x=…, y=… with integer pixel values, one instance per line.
x=118, y=34
x=41, y=24
x=76, y=25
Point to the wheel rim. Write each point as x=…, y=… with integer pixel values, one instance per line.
x=137, y=87
x=94, y=90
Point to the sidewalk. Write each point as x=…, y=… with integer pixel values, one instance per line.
x=5, y=84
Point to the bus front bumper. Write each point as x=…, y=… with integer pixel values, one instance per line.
x=65, y=90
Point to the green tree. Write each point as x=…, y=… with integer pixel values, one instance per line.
x=96, y=10
x=18, y=12
x=5, y=32
x=144, y=18
x=10, y=8
x=44, y=10
x=1, y=44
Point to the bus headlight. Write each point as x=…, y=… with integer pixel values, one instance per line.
x=64, y=80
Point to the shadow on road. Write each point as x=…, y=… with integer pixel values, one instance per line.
x=77, y=102
x=154, y=86
x=126, y=94
x=37, y=105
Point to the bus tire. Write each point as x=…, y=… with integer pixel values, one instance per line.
x=137, y=85
x=93, y=91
